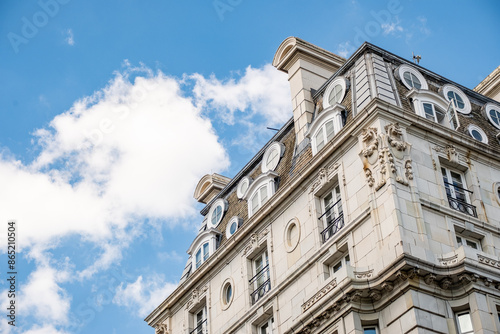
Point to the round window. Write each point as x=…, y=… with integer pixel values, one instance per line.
x=492, y=113
x=495, y=117
x=496, y=191
x=243, y=187
x=272, y=156
x=478, y=134
x=292, y=235
x=216, y=212
x=459, y=102
x=232, y=226
x=335, y=95
x=226, y=293
x=412, y=80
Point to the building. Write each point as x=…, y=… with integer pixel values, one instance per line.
x=375, y=209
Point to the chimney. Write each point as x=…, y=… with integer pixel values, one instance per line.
x=308, y=66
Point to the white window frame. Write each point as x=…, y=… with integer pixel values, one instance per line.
x=467, y=241
x=339, y=81
x=451, y=189
x=487, y=113
x=234, y=220
x=419, y=98
x=267, y=327
x=467, y=106
x=203, y=321
x=459, y=329
x=400, y=71
x=243, y=186
x=222, y=203
x=206, y=237
x=319, y=124
x=264, y=180
x=204, y=252
x=277, y=147
x=473, y=127
x=339, y=267
x=260, y=275
x=337, y=209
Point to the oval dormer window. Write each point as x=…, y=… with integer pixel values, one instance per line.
x=335, y=92
x=272, y=156
x=216, y=212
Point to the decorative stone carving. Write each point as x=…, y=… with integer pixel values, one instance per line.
x=363, y=274
x=487, y=281
x=355, y=296
x=395, y=137
x=254, y=238
x=429, y=279
x=196, y=296
x=161, y=329
x=488, y=261
x=324, y=176
x=445, y=283
x=387, y=286
x=467, y=278
x=329, y=287
x=450, y=152
x=375, y=295
x=448, y=261
x=385, y=152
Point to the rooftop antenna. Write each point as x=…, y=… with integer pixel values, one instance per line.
x=273, y=129
x=416, y=59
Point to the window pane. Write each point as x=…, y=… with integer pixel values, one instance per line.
x=198, y=258
x=233, y=227
x=272, y=159
x=465, y=323
x=429, y=111
x=320, y=140
x=255, y=202
x=495, y=116
x=471, y=244
x=216, y=215
x=206, y=252
x=459, y=241
x=329, y=130
x=337, y=266
x=335, y=95
x=369, y=330
x=459, y=103
x=263, y=195
x=476, y=134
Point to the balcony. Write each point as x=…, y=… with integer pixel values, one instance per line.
x=457, y=198
x=262, y=283
x=201, y=328
x=334, y=223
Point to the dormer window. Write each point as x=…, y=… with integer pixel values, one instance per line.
x=492, y=112
x=233, y=225
x=272, y=156
x=216, y=212
x=477, y=133
x=325, y=126
x=203, y=246
x=433, y=107
x=242, y=188
x=335, y=92
x=460, y=100
x=202, y=254
x=433, y=112
x=410, y=77
x=260, y=191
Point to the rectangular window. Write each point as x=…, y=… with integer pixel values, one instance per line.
x=370, y=330
x=261, y=281
x=458, y=195
x=464, y=323
x=200, y=322
x=451, y=113
x=333, y=214
x=429, y=111
x=469, y=242
x=267, y=327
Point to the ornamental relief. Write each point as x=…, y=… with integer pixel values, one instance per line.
x=161, y=329
x=386, y=155
x=196, y=295
x=324, y=176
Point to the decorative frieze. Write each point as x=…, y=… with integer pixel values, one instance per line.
x=363, y=274
x=329, y=287
x=449, y=261
x=161, y=329
x=488, y=261
x=196, y=296
x=324, y=176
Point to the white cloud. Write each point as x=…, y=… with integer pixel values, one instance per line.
x=262, y=92
x=69, y=37
x=46, y=329
x=345, y=49
x=143, y=296
x=44, y=298
x=392, y=28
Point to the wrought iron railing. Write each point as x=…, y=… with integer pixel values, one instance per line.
x=458, y=201
x=264, y=287
x=333, y=227
x=201, y=328
x=329, y=214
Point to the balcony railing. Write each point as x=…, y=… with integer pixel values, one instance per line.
x=263, y=287
x=459, y=200
x=201, y=328
x=333, y=227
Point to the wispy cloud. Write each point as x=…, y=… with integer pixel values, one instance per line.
x=69, y=37
x=393, y=27
x=142, y=296
x=345, y=49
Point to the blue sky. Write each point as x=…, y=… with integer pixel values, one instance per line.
x=112, y=111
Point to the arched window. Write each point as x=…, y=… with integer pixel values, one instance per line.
x=410, y=77
x=260, y=191
x=335, y=92
x=325, y=126
x=460, y=100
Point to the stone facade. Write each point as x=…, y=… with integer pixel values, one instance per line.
x=390, y=225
